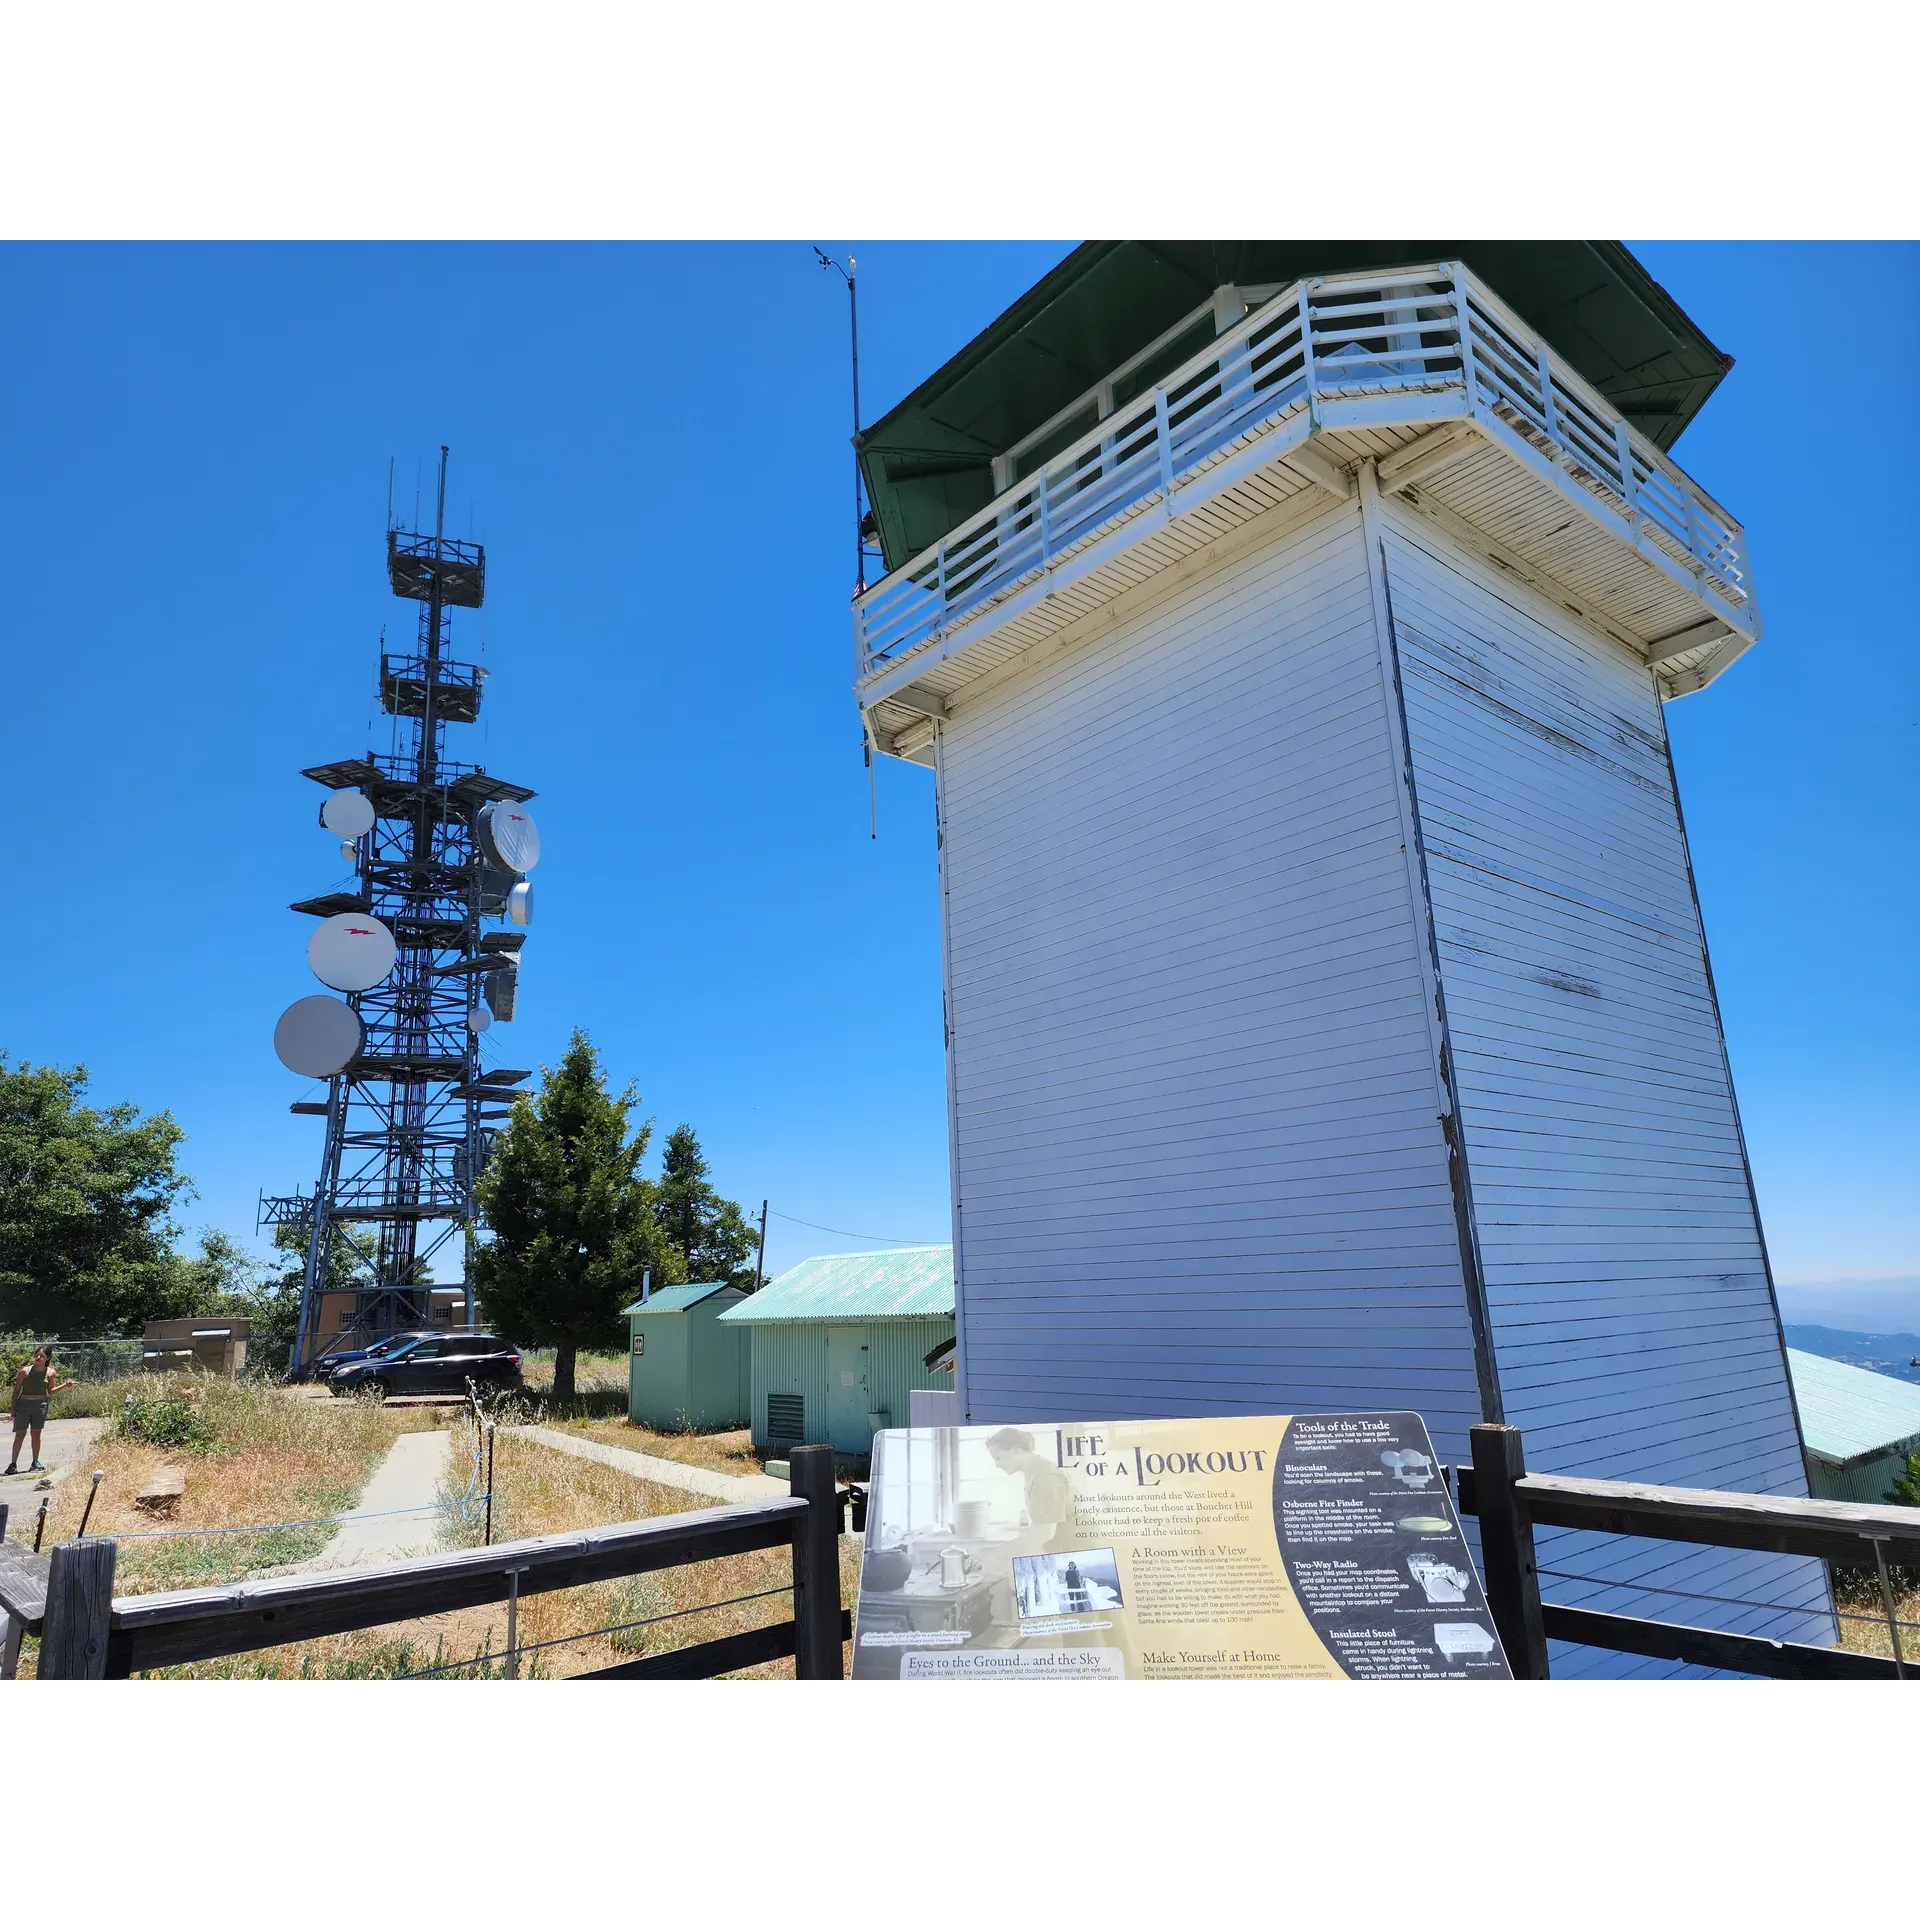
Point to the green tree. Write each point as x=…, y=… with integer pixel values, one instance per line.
x=570, y=1216
x=1905, y=1492
x=85, y=1193
x=709, y=1237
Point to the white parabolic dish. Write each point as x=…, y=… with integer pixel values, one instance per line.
x=347, y=814
x=479, y=1020
x=520, y=904
x=318, y=1036
x=351, y=952
x=508, y=836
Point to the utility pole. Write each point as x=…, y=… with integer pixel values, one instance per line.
x=760, y=1265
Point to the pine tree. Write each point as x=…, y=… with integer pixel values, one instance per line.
x=570, y=1214
x=1905, y=1491
x=708, y=1237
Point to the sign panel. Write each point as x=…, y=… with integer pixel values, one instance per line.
x=1303, y=1547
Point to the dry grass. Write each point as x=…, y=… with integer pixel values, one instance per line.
x=538, y=1491
x=732, y=1452
x=273, y=1458
x=1863, y=1623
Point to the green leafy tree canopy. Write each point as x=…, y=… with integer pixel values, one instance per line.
x=570, y=1216
x=708, y=1237
x=85, y=1192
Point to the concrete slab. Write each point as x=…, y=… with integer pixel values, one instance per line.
x=64, y=1446
x=409, y=1477
x=730, y=1487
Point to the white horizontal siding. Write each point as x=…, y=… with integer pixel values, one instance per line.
x=1634, y=1329
x=1197, y=1164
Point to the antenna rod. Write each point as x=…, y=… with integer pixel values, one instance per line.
x=390, y=493
x=859, y=538
x=440, y=510
x=849, y=273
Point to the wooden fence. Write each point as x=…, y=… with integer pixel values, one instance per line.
x=87, y=1634
x=1510, y=1502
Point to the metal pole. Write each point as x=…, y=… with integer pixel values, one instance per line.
x=1886, y=1600
x=489, y=1538
x=513, y=1622
x=40, y=1525
x=760, y=1264
x=99, y=1474
x=859, y=516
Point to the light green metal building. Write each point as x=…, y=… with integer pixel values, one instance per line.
x=686, y=1367
x=840, y=1341
x=1859, y=1426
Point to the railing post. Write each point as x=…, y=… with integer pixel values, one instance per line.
x=1306, y=353
x=73, y=1643
x=1463, y=320
x=1629, y=484
x=1163, y=432
x=816, y=1566
x=1506, y=1548
x=1543, y=367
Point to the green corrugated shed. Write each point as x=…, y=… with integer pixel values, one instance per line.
x=686, y=1367
x=840, y=1341
x=1859, y=1426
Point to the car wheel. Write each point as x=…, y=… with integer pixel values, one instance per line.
x=374, y=1390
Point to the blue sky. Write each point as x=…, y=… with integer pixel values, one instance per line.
x=652, y=442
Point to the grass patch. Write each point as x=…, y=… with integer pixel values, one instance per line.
x=259, y=1456
x=731, y=1452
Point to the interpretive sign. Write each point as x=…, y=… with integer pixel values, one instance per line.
x=1303, y=1547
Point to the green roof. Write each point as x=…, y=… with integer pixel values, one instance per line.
x=929, y=461
x=679, y=1299
x=906, y=1283
x=1848, y=1412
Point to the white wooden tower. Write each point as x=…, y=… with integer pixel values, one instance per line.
x=1329, y=1019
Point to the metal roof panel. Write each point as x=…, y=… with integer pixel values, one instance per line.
x=903, y=1283
x=679, y=1299
x=1847, y=1413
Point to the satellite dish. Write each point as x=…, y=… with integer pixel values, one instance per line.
x=319, y=1036
x=479, y=1020
x=508, y=836
x=351, y=952
x=347, y=814
x=520, y=904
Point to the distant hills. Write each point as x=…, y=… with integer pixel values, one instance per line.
x=1889, y=1353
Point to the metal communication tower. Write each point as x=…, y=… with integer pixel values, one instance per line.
x=409, y=1120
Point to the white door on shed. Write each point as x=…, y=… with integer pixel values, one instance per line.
x=847, y=1398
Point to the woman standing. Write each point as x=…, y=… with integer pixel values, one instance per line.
x=33, y=1386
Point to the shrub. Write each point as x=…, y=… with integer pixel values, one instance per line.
x=164, y=1420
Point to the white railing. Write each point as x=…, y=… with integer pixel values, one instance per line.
x=1425, y=330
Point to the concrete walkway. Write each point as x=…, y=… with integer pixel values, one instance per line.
x=408, y=1477
x=651, y=1466
x=64, y=1445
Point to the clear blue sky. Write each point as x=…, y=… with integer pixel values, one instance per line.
x=652, y=442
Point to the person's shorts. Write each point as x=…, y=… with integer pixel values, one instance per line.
x=30, y=1414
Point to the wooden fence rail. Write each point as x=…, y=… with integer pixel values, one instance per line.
x=1510, y=1502
x=88, y=1634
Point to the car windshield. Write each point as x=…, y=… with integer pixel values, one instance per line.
x=392, y=1344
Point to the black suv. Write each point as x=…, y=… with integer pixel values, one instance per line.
x=438, y=1363
x=330, y=1363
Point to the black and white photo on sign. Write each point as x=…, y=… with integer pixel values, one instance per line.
x=1048, y=1584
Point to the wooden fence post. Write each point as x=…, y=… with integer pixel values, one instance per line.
x=816, y=1566
x=73, y=1643
x=1506, y=1547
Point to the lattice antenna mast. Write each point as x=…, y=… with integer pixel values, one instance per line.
x=438, y=847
